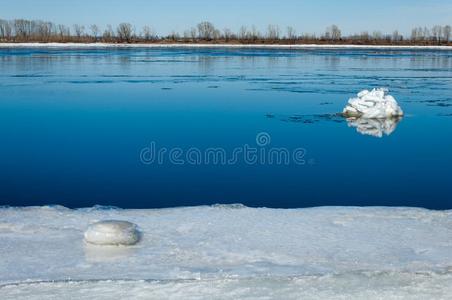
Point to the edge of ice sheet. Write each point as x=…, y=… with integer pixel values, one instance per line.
x=248, y=46
x=380, y=285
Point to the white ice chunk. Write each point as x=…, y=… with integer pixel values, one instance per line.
x=375, y=104
x=112, y=232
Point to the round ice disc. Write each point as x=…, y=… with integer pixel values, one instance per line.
x=112, y=232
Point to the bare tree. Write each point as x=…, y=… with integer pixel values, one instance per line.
x=420, y=34
x=227, y=33
x=414, y=34
x=206, y=31
x=336, y=32
x=193, y=33
x=364, y=36
x=186, y=35
x=94, y=31
x=273, y=32
x=243, y=33
x=447, y=33
x=254, y=34
x=79, y=30
x=396, y=36
x=22, y=29
x=43, y=30
x=291, y=34
x=148, y=33
x=333, y=33
x=425, y=33
x=63, y=31
x=307, y=36
x=125, y=32
x=5, y=30
x=174, y=36
x=108, y=34
x=377, y=35
x=437, y=32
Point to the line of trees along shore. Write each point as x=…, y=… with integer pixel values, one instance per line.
x=21, y=30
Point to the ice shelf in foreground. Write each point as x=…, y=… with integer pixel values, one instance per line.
x=375, y=104
x=205, y=253
x=112, y=232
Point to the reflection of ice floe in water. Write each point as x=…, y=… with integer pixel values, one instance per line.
x=374, y=127
x=372, y=105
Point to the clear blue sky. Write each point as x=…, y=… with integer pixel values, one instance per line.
x=311, y=16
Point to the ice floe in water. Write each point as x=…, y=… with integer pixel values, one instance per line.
x=203, y=252
x=374, y=127
x=375, y=104
x=112, y=232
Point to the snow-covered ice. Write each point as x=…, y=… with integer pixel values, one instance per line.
x=229, y=250
x=112, y=232
x=375, y=104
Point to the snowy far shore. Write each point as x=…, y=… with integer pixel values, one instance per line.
x=246, y=46
x=230, y=251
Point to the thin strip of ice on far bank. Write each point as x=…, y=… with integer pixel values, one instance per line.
x=249, y=46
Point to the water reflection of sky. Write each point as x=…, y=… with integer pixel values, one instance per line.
x=72, y=124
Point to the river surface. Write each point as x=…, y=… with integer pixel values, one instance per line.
x=151, y=128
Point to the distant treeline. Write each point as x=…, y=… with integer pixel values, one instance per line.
x=21, y=30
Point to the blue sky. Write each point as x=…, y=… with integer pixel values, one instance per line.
x=311, y=16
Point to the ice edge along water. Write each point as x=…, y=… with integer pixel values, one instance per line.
x=251, y=46
x=325, y=251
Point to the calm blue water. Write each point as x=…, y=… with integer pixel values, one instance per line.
x=76, y=125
